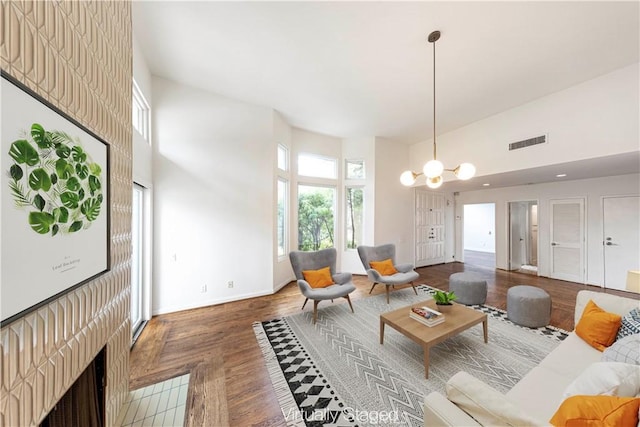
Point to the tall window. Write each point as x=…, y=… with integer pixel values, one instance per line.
x=316, y=218
x=140, y=113
x=353, y=222
x=283, y=191
x=137, y=259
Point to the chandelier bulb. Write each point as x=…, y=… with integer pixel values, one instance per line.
x=434, y=182
x=433, y=168
x=465, y=171
x=408, y=178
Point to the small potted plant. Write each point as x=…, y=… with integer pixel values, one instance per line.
x=444, y=300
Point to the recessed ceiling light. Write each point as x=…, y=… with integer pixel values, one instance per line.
x=486, y=184
x=561, y=175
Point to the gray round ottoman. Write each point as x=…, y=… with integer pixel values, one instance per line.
x=469, y=288
x=528, y=306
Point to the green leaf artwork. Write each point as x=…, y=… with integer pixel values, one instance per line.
x=51, y=178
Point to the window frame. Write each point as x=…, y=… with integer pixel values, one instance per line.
x=346, y=170
x=360, y=187
x=331, y=186
x=333, y=160
x=285, y=151
x=286, y=222
x=141, y=123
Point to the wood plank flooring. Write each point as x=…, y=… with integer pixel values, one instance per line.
x=230, y=385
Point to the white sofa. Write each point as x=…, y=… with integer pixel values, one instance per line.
x=535, y=398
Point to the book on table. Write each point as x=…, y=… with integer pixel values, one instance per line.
x=426, y=316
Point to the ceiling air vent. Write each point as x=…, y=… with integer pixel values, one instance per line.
x=528, y=142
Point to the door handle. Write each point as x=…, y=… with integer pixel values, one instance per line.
x=611, y=244
x=554, y=244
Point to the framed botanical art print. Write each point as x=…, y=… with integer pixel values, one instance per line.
x=54, y=202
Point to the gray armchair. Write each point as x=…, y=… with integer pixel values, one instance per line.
x=405, y=273
x=316, y=260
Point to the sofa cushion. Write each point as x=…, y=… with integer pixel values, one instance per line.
x=440, y=411
x=630, y=324
x=608, y=302
x=603, y=411
x=485, y=404
x=607, y=378
x=626, y=350
x=563, y=360
x=598, y=327
x=540, y=392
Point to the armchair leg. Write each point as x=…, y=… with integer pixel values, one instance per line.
x=305, y=303
x=374, y=285
x=414, y=288
x=349, y=300
x=315, y=310
x=387, y=293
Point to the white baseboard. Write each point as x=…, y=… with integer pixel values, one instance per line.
x=206, y=303
x=282, y=285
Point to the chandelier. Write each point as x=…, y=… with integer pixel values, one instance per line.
x=434, y=168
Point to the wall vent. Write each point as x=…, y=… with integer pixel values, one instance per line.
x=528, y=142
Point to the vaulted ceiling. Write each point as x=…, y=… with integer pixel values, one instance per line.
x=351, y=69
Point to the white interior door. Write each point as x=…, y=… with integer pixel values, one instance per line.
x=429, y=218
x=567, y=240
x=621, y=239
x=533, y=235
x=517, y=230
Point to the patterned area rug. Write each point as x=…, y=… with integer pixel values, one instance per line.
x=335, y=373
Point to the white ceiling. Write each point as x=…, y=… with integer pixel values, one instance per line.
x=351, y=69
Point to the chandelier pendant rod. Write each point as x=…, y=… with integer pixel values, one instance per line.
x=433, y=168
x=434, y=97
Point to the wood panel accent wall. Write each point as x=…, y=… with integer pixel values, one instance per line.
x=78, y=56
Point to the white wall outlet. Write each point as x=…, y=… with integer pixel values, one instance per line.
x=203, y=289
x=230, y=284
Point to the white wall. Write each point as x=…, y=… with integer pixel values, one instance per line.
x=356, y=149
x=480, y=227
x=282, y=271
x=213, y=161
x=596, y=118
x=393, y=202
x=592, y=190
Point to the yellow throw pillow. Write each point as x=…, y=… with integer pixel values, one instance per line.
x=385, y=267
x=318, y=278
x=597, y=327
x=601, y=411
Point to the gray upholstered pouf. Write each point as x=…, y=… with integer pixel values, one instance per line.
x=528, y=306
x=469, y=288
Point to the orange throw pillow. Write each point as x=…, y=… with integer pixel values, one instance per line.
x=597, y=327
x=318, y=278
x=385, y=267
x=600, y=411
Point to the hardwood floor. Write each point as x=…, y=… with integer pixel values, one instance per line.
x=230, y=385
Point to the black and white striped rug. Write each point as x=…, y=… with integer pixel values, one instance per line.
x=335, y=373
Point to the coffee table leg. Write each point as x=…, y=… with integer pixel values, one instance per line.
x=485, y=329
x=426, y=361
x=381, y=332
